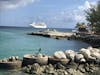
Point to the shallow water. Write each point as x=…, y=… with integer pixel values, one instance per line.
x=15, y=42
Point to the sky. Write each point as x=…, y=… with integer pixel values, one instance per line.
x=55, y=13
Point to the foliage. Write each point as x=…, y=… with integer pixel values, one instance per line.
x=81, y=26
x=93, y=17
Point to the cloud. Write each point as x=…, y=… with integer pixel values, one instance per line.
x=80, y=14
x=68, y=16
x=11, y=4
x=86, y=5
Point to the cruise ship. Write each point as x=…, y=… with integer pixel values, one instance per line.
x=39, y=25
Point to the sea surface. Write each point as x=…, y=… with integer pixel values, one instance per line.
x=14, y=41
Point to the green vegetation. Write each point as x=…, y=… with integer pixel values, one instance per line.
x=93, y=17
x=81, y=27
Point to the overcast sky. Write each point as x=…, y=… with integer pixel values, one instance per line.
x=55, y=13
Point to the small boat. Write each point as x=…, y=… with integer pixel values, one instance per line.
x=39, y=25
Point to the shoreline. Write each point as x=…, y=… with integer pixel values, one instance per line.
x=84, y=62
x=93, y=40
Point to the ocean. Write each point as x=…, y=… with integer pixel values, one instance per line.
x=14, y=41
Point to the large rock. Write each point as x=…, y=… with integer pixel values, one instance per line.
x=38, y=58
x=70, y=54
x=93, y=49
x=79, y=58
x=53, y=60
x=88, y=54
x=74, y=72
x=41, y=59
x=49, y=69
x=59, y=55
x=61, y=72
x=85, y=52
x=36, y=69
x=95, y=54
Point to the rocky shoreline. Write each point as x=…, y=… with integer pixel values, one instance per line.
x=93, y=40
x=84, y=62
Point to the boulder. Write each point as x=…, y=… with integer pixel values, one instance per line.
x=94, y=49
x=41, y=59
x=29, y=59
x=53, y=60
x=59, y=66
x=81, y=68
x=74, y=72
x=96, y=55
x=85, y=52
x=59, y=55
x=90, y=48
x=61, y=72
x=36, y=69
x=83, y=60
x=16, y=57
x=70, y=54
x=49, y=69
x=79, y=58
x=4, y=60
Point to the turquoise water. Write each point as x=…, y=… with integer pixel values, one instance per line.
x=15, y=42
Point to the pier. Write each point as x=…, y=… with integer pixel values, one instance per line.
x=53, y=34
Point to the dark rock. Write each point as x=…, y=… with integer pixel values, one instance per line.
x=49, y=69
x=74, y=72
x=36, y=68
x=59, y=66
x=72, y=64
x=81, y=68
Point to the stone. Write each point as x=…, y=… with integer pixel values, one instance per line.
x=85, y=52
x=59, y=55
x=96, y=55
x=13, y=58
x=74, y=72
x=61, y=72
x=70, y=54
x=29, y=67
x=86, y=66
x=79, y=58
x=90, y=48
x=4, y=60
x=95, y=50
x=39, y=55
x=97, y=61
x=64, y=61
x=60, y=66
x=42, y=59
x=83, y=60
x=49, y=69
x=26, y=69
x=36, y=68
x=97, y=72
x=81, y=68
x=72, y=64
x=16, y=57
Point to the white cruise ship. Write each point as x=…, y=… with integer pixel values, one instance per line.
x=39, y=25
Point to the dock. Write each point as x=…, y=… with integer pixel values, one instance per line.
x=53, y=34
